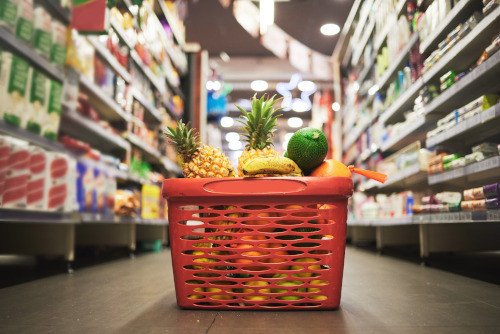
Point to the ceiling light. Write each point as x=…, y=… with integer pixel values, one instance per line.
x=232, y=136
x=226, y=122
x=216, y=85
x=225, y=57
x=306, y=86
x=335, y=106
x=259, y=85
x=373, y=89
x=330, y=29
x=266, y=12
x=299, y=105
x=295, y=122
x=355, y=86
x=235, y=145
x=210, y=85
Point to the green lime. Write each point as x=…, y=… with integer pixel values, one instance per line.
x=285, y=154
x=308, y=148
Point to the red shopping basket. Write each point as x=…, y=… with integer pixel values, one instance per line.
x=258, y=243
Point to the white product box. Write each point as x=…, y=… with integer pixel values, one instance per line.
x=17, y=174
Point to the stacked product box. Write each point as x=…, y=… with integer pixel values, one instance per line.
x=34, y=179
x=95, y=189
x=16, y=172
x=29, y=98
x=482, y=198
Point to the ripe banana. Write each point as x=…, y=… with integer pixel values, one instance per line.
x=271, y=166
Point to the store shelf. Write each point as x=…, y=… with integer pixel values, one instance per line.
x=35, y=217
x=459, y=13
x=151, y=112
x=478, y=128
x=483, y=79
x=171, y=166
x=154, y=222
x=405, y=179
x=27, y=52
x=403, y=103
x=91, y=132
x=354, y=135
x=416, y=130
x=122, y=35
x=105, y=105
x=468, y=49
x=362, y=44
x=57, y=11
x=151, y=153
x=492, y=216
x=176, y=31
x=147, y=72
x=397, y=64
x=109, y=58
x=488, y=169
x=31, y=137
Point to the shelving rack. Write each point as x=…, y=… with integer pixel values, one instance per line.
x=57, y=233
x=436, y=232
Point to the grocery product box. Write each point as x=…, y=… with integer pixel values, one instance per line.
x=150, y=201
x=14, y=75
x=8, y=13
x=24, y=26
x=37, y=180
x=4, y=164
x=42, y=39
x=58, y=50
x=38, y=85
x=85, y=187
x=16, y=177
x=60, y=174
x=52, y=117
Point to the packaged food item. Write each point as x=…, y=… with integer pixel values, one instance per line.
x=492, y=190
x=4, y=163
x=489, y=100
x=493, y=203
x=37, y=180
x=37, y=102
x=478, y=193
x=110, y=192
x=24, y=26
x=8, y=13
x=479, y=205
x=466, y=205
x=42, y=40
x=150, y=201
x=449, y=197
x=85, y=187
x=58, y=49
x=52, y=116
x=59, y=175
x=488, y=149
x=17, y=175
x=13, y=87
x=468, y=195
x=100, y=190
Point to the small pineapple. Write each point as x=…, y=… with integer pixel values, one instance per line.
x=259, y=124
x=198, y=160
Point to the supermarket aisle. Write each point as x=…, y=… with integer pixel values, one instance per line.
x=381, y=295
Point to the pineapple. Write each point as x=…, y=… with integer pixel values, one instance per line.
x=198, y=160
x=259, y=124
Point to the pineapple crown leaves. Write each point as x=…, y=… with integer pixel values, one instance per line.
x=184, y=138
x=260, y=123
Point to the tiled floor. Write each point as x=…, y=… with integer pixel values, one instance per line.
x=380, y=295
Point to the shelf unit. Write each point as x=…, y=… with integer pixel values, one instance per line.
x=26, y=51
x=57, y=233
x=436, y=232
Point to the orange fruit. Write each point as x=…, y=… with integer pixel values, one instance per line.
x=331, y=167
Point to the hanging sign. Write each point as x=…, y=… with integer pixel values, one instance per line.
x=276, y=41
x=90, y=16
x=247, y=15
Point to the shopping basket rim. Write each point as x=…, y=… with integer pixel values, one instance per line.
x=263, y=186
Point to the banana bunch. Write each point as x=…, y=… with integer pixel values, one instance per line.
x=271, y=166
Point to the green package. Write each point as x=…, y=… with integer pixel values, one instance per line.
x=54, y=108
x=37, y=101
x=15, y=74
x=8, y=13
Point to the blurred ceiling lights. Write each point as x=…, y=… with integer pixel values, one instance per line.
x=226, y=122
x=259, y=85
x=235, y=145
x=232, y=136
x=213, y=85
x=330, y=29
x=266, y=12
x=286, y=89
x=335, y=106
x=295, y=122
